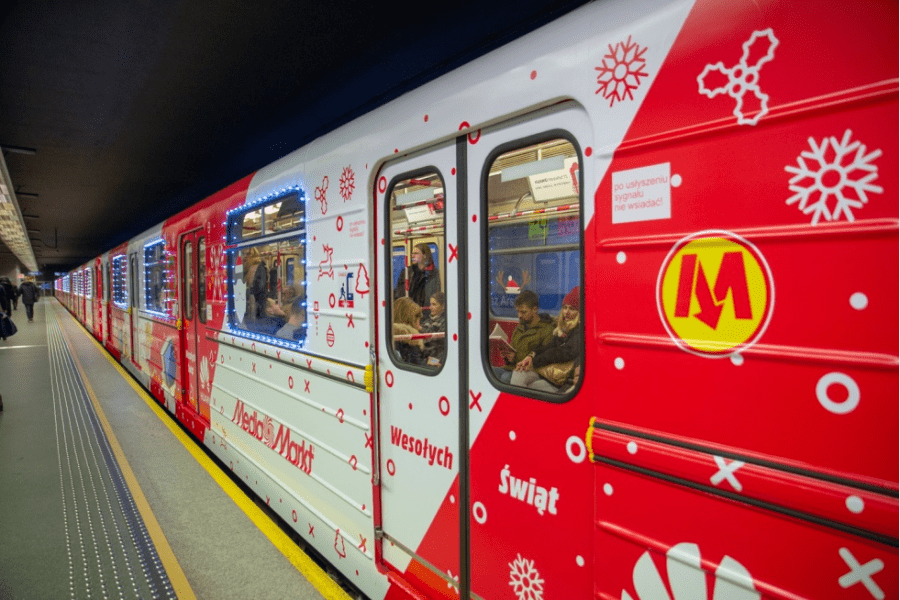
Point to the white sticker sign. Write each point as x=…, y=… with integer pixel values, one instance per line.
x=557, y=184
x=643, y=194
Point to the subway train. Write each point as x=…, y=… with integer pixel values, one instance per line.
x=630, y=187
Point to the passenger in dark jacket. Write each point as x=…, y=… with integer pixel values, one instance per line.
x=30, y=295
x=423, y=274
x=4, y=310
x=4, y=301
x=10, y=291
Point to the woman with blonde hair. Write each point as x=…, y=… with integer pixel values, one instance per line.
x=408, y=321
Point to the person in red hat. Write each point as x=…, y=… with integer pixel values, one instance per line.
x=565, y=346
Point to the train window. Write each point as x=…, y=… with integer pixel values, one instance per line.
x=88, y=283
x=187, y=268
x=418, y=319
x=158, y=294
x=201, y=279
x=289, y=271
x=267, y=273
x=534, y=267
x=251, y=225
x=119, y=289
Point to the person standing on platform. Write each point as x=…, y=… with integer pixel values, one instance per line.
x=4, y=311
x=30, y=295
x=4, y=301
x=10, y=290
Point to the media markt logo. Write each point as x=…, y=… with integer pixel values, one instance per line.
x=715, y=293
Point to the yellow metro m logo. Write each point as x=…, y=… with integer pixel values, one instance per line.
x=715, y=293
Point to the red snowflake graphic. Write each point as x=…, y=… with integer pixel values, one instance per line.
x=622, y=70
x=348, y=183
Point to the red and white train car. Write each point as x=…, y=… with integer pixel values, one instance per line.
x=681, y=166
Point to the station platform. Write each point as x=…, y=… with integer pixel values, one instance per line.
x=103, y=495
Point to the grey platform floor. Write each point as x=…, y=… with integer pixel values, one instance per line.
x=221, y=552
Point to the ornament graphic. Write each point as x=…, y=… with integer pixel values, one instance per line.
x=320, y=194
x=329, y=336
x=622, y=70
x=742, y=78
x=347, y=183
x=525, y=579
x=687, y=580
x=839, y=175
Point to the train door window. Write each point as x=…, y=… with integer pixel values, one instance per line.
x=267, y=299
x=418, y=318
x=157, y=279
x=118, y=276
x=201, y=279
x=187, y=271
x=88, y=283
x=536, y=321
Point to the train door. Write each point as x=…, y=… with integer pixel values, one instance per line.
x=193, y=410
x=192, y=318
x=87, y=306
x=525, y=221
x=109, y=342
x=419, y=368
x=134, y=290
x=97, y=305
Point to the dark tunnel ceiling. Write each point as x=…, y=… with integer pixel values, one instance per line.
x=135, y=110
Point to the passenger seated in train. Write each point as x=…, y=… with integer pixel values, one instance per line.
x=407, y=322
x=256, y=279
x=534, y=331
x=273, y=318
x=422, y=276
x=557, y=364
x=436, y=322
x=293, y=329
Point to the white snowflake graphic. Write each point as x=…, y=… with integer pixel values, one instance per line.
x=347, y=183
x=742, y=78
x=525, y=580
x=687, y=579
x=622, y=70
x=840, y=175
